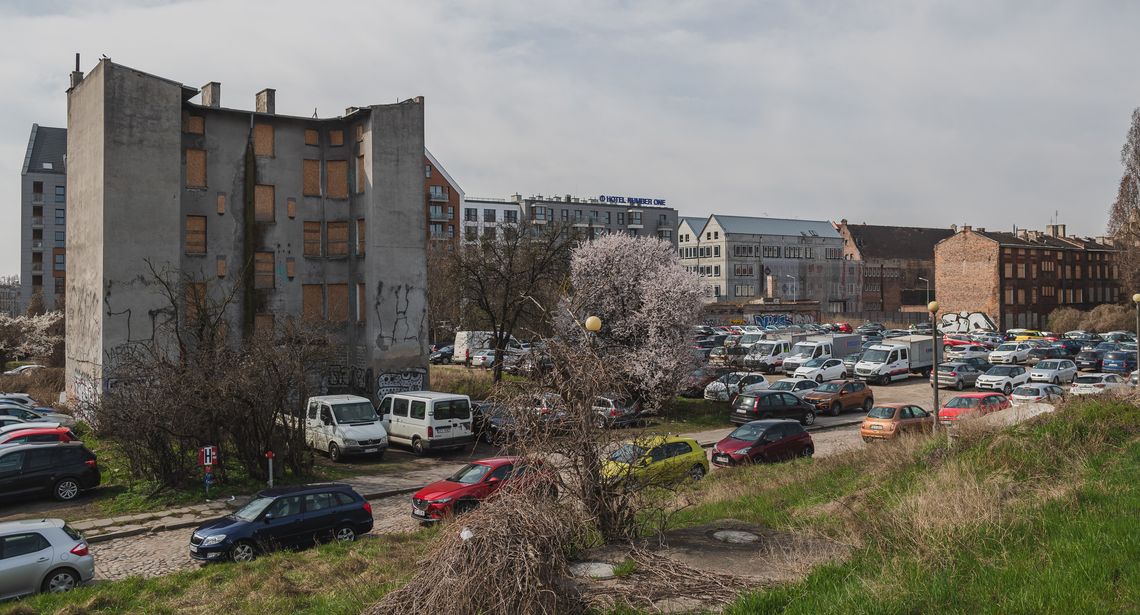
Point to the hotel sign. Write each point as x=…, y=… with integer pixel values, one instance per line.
x=630, y=200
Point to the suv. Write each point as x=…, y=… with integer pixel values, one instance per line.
x=471, y=484
x=286, y=517
x=839, y=395
x=955, y=374
x=771, y=405
x=42, y=555
x=61, y=469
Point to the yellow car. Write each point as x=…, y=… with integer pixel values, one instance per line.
x=657, y=460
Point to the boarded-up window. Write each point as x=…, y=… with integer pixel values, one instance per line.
x=360, y=174
x=312, y=302
x=263, y=324
x=338, y=179
x=221, y=203
x=263, y=201
x=361, y=305
x=311, y=169
x=290, y=267
x=195, y=168
x=312, y=238
x=195, y=300
x=263, y=270
x=338, y=302
x=336, y=137
x=195, y=234
x=291, y=207
x=338, y=239
x=312, y=137
x=360, y=237
x=263, y=140
x=221, y=265
x=195, y=124
x=360, y=132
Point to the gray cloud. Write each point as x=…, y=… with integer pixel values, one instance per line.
x=931, y=113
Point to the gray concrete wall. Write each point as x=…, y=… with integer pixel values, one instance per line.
x=85, y=139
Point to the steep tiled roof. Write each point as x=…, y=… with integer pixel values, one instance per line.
x=905, y=242
x=775, y=226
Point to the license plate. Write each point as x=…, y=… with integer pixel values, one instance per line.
x=443, y=429
x=877, y=427
x=193, y=549
x=419, y=513
x=742, y=411
x=721, y=458
x=371, y=450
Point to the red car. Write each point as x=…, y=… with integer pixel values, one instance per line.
x=38, y=434
x=843, y=327
x=972, y=404
x=760, y=441
x=474, y=482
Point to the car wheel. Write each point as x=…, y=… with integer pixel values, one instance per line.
x=697, y=473
x=809, y=418
x=868, y=404
x=866, y=439
x=60, y=580
x=959, y=384
x=836, y=408
x=334, y=452
x=66, y=489
x=418, y=447
x=345, y=533
x=243, y=551
x=819, y=377
x=463, y=507
x=1007, y=389
x=807, y=451
x=1056, y=380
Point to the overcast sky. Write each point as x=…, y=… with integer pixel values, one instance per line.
x=908, y=113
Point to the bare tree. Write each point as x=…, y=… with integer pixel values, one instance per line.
x=443, y=304
x=1124, y=217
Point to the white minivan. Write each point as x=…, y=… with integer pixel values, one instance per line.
x=344, y=425
x=427, y=420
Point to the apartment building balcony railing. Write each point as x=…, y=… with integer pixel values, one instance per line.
x=37, y=244
x=438, y=216
x=439, y=196
x=37, y=221
x=37, y=198
x=37, y=267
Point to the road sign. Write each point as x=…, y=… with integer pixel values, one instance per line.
x=207, y=456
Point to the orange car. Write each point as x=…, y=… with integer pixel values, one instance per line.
x=887, y=421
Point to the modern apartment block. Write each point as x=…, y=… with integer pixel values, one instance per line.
x=897, y=264
x=296, y=217
x=443, y=198
x=43, y=216
x=636, y=216
x=1017, y=279
x=745, y=258
x=483, y=216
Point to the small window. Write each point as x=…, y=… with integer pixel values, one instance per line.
x=221, y=203
x=361, y=304
x=359, y=132
x=290, y=267
x=338, y=302
x=419, y=410
x=195, y=168
x=337, y=179
x=263, y=140
x=360, y=243
x=338, y=238
x=263, y=203
x=360, y=174
x=312, y=238
x=319, y=501
x=400, y=407
x=291, y=207
x=221, y=266
x=312, y=137
x=196, y=125
x=263, y=276
x=312, y=302
x=343, y=499
x=336, y=138
x=195, y=235
x=311, y=172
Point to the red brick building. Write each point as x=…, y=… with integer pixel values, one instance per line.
x=1018, y=279
x=898, y=263
x=443, y=200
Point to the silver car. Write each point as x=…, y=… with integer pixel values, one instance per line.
x=1054, y=371
x=42, y=555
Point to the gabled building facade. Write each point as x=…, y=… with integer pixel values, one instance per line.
x=897, y=264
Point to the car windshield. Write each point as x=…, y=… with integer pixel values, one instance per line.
x=470, y=474
x=828, y=387
x=881, y=412
x=1118, y=356
x=747, y=432
x=1027, y=391
x=963, y=402
x=1087, y=379
x=359, y=412
x=452, y=409
x=627, y=453
x=1002, y=371
x=783, y=385
x=876, y=355
x=815, y=362
x=761, y=349
x=1049, y=365
x=1007, y=347
x=251, y=511
x=731, y=378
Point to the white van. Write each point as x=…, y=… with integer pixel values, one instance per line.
x=427, y=420
x=344, y=425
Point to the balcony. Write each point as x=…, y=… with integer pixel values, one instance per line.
x=37, y=267
x=37, y=198
x=37, y=221
x=438, y=216
x=439, y=196
x=37, y=244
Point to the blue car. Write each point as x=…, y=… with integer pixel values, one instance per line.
x=284, y=518
x=1119, y=362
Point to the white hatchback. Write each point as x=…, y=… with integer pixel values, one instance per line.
x=1002, y=378
x=1037, y=392
x=821, y=369
x=796, y=386
x=1011, y=353
x=730, y=385
x=1055, y=371
x=1093, y=384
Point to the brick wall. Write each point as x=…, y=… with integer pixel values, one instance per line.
x=966, y=274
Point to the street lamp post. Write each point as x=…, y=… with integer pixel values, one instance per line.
x=1136, y=301
x=927, y=289
x=793, y=286
x=932, y=307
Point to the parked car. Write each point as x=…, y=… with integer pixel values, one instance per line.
x=695, y=383
x=38, y=435
x=23, y=369
x=23, y=399
x=968, y=351
x=475, y=482
x=870, y=328
x=20, y=425
x=61, y=470
x=956, y=375
x=427, y=420
x=42, y=555
x=734, y=383
x=971, y=404
x=888, y=421
x=1093, y=384
x=656, y=460
x=843, y=327
x=1067, y=349
x=1042, y=353
x=772, y=404
x=1011, y=353
x=283, y=518
x=616, y=411
x=1119, y=362
x=37, y=415
x=1090, y=360
x=821, y=369
x=839, y=395
x=728, y=356
x=796, y=386
x=850, y=361
x=978, y=363
x=1119, y=336
x=6, y=420
x=763, y=441
x=1003, y=378
x=1037, y=392
x=1055, y=371
x=482, y=358
x=441, y=356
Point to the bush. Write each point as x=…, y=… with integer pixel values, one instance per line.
x=44, y=385
x=1102, y=318
x=1065, y=319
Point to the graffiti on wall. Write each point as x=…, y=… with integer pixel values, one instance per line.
x=397, y=329
x=782, y=320
x=355, y=378
x=965, y=322
x=411, y=379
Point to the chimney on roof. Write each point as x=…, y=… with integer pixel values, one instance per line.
x=1022, y=234
x=1055, y=230
x=953, y=228
x=266, y=101
x=212, y=95
x=843, y=222
x=967, y=228
x=567, y=198
x=981, y=229
x=1034, y=235
x=76, y=75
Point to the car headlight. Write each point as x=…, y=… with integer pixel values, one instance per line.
x=350, y=443
x=213, y=540
x=440, y=500
x=744, y=451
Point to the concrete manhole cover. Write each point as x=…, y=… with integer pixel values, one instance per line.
x=735, y=537
x=593, y=570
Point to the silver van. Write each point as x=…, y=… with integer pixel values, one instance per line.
x=427, y=420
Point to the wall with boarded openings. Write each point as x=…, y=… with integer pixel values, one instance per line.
x=263, y=140
x=338, y=179
x=311, y=171
x=195, y=168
